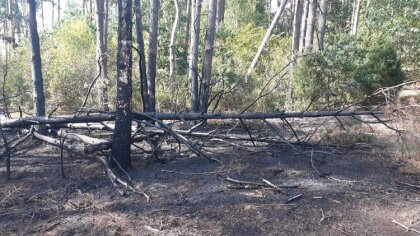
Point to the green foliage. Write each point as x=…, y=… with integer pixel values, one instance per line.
x=347, y=71
x=69, y=62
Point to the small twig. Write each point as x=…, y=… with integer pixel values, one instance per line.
x=407, y=228
x=297, y=197
x=409, y=185
x=313, y=165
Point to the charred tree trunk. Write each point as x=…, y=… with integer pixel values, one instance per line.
x=101, y=55
x=58, y=10
x=303, y=26
x=188, y=25
x=297, y=22
x=172, y=50
x=142, y=57
x=322, y=23
x=154, y=18
x=208, y=56
x=309, y=36
x=38, y=83
x=193, y=60
x=122, y=134
x=220, y=15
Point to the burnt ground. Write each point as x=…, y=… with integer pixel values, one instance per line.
x=190, y=195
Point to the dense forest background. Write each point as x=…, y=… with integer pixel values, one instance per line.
x=368, y=44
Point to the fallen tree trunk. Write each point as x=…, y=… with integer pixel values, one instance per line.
x=59, y=120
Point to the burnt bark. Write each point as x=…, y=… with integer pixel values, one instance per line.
x=322, y=23
x=38, y=83
x=122, y=134
x=220, y=15
x=154, y=19
x=193, y=60
x=297, y=22
x=208, y=56
x=101, y=56
x=142, y=57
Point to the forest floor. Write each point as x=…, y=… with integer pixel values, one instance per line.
x=363, y=192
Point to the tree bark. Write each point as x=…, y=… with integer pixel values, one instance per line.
x=42, y=14
x=303, y=26
x=58, y=10
x=122, y=134
x=188, y=25
x=297, y=22
x=52, y=13
x=220, y=16
x=355, y=17
x=309, y=36
x=208, y=56
x=101, y=56
x=322, y=23
x=38, y=83
x=266, y=37
x=172, y=50
x=154, y=19
x=193, y=60
x=142, y=57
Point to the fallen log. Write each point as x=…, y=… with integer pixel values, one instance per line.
x=57, y=120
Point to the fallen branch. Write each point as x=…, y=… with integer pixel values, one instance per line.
x=71, y=119
x=264, y=184
x=407, y=228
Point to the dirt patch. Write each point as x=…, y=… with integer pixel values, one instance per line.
x=361, y=194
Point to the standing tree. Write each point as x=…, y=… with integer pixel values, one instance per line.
x=193, y=58
x=101, y=55
x=122, y=133
x=322, y=23
x=172, y=50
x=310, y=22
x=153, y=44
x=220, y=15
x=142, y=57
x=38, y=83
x=187, y=25
x=297, y=19
x=208, y=56
x=303, y=26
x=355, y=17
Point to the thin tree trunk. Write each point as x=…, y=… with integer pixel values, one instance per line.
x=220, y=17
x=355, y=18
x=208, y=56
x=188, y=24
x=322, y=23
x=297, y=22
x=101, y=55
x=42, y=14
x=193, y=63
x=142, y=57
x=58, y=10
x=266, y=37
x=154, y=19
x=122, y=134
x=38, y=83
x=172, y=50
x=303, y=26
x=52, y=12
x=90, y=11
x=309, y=36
